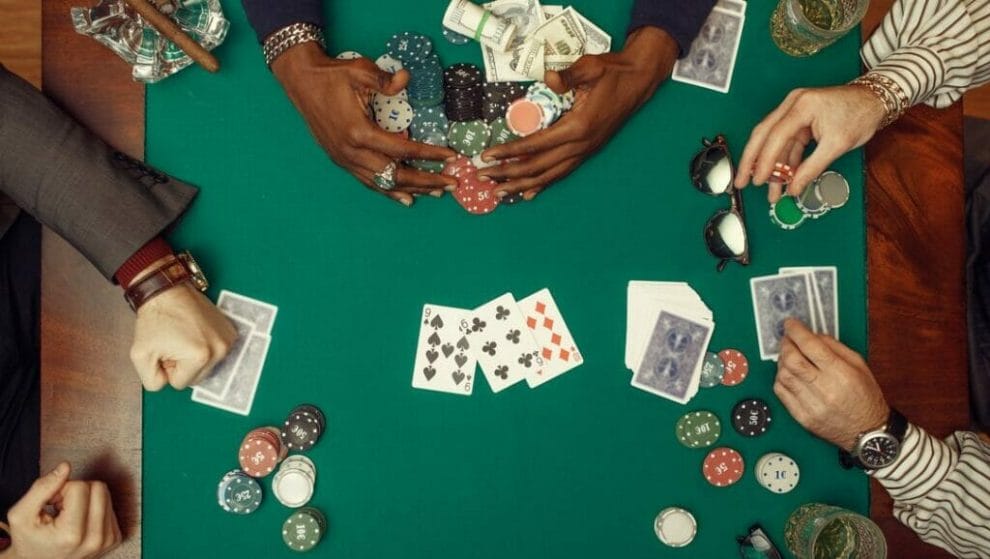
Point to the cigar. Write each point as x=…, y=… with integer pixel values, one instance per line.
x=172, y=32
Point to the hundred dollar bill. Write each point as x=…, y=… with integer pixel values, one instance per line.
x=527, y=16
x=596, y=41
x=560, y=36
x=550, y=11
x=471, y=20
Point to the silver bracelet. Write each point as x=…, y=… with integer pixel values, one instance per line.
x=290, y=36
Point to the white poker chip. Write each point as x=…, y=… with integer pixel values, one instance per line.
x=389, y=64
x=349, y=55
x=293, y=488
x=675, y=527
x=777, y=473
x=393, y=114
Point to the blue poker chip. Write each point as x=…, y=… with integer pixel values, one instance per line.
x=409, y=47
x=455, y=37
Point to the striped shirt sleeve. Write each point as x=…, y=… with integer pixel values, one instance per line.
x=941, y=490
x=934, y=50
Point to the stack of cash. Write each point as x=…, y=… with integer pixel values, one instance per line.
x=522, y=39
x=153, y=57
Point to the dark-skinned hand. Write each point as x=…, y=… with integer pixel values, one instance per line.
x=333, y=97
x=608, y=89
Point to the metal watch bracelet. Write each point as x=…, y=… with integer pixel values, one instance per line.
x=887, y=92
x=289, y=36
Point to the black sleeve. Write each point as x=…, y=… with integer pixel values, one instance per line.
x=682, y=19
x=268, y=16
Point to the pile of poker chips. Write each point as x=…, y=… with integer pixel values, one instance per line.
x=260, y=451
x=463, y=85
x=474, y=193
x=498, y=96
x=829, y=191
x=675, y=527
x=304, y=529
x=295, y=481
x=239, y=493
x=777, y=473
x=303, y=427
x=728, y=367
x=537, y=110
x=751, y=417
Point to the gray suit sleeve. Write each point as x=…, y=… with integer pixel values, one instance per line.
x=103, y=202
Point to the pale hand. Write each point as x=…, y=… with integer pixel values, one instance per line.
x=827, y=387
x=178, y=337
x=84, y=527
x=839, y=119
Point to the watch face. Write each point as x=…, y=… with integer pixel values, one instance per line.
x=878, y=451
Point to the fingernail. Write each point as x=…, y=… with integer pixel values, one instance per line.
x=501, y=194
x=450, y=187
x=487, y=158
x=450, y=159
x=529, y=196
x=60, y=469
x=405, y=201
x=437, y=193
x=483, y=176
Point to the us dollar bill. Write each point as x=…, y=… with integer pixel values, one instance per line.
x=527, y=16
x=596, y=41
x=560, y=36
x=471, y=20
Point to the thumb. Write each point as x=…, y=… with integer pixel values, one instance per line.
x=45, y=488
x=373, y=78
x=583, y=72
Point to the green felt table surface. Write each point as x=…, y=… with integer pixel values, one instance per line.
x=576, y=468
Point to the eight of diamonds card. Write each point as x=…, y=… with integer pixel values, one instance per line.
x=444, y=360
x=556, y=346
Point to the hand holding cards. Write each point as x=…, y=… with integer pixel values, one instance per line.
x=668, y=329
x=512, y=341
x=810, y=295
x=233, y=383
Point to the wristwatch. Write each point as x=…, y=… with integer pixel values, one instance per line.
x=877, y=449
x=182, y=269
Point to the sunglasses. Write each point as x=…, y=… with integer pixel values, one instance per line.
x=712, y=173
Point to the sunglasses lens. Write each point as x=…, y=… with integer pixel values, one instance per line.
x=711, y=171
x=725, y=235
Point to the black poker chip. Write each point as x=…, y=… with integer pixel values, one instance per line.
x=498, y=96
x=751, y=417
x=464, y=91
x=303, y=428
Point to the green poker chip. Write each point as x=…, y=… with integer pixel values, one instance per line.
x=468, y=138
x=303, y=530
x=241, y=495
x=786, y=213
x=698, y=429
x=712, y=370
x=500, y=133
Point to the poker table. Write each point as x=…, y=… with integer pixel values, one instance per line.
x=578, y=467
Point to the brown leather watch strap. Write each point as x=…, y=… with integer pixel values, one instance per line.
x=168, y=276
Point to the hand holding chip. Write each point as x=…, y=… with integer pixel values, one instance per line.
x=333, y=97
x=827, y=387
x=839, y=119
x=609, y=88
x=83, y=524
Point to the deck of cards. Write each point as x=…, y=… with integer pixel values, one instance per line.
x=232, y=384
x=809, y=294
x=712, y=57
x=511, y=340
x=668, y=329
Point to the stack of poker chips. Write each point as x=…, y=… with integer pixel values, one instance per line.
x=239, y=493
x=498, y=96
x=415, y=53
x=538, y=110
x=463, y=84
x=429, y=126
x=304, y=529
x=751, y=417
x=303, y=427
x=675, y=527
x=295, y=481
x=260, y=451
x=777, y=473
x=828, y=192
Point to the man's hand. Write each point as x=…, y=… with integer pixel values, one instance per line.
x=839, y=119
x=608, y=88
x=827, y=387
x=178, y=338
x=333, y=96
x=84, y=526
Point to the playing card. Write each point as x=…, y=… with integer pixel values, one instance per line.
x=553, y=339
x=218, y=382
x=502, y=343
x=243, y=384
x=444, y=360
x=645, y=300
x=734, y=6
x=258, y=313
x=826, y=284
x=671, y=367
x=712, y=57
x=775, y=299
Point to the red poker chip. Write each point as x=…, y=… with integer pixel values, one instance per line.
x=736, y=366
x=258, y=456
x=459, y=167
x=476, y=195
x=723, y=467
